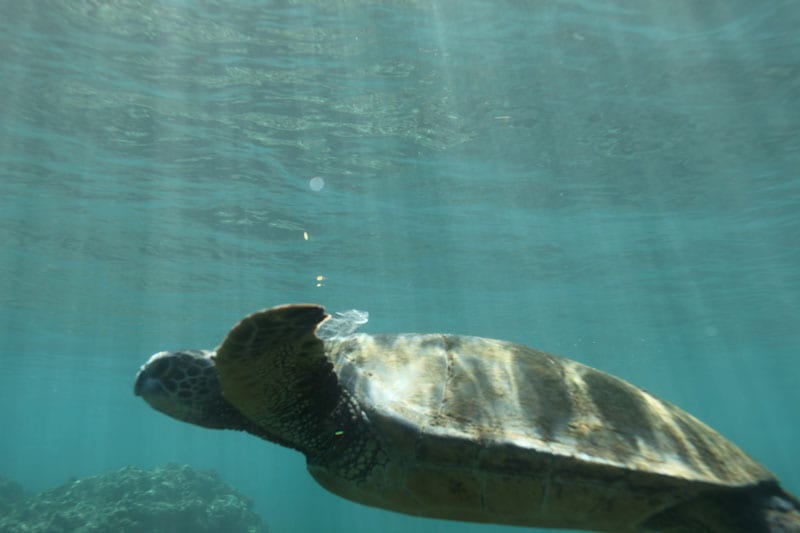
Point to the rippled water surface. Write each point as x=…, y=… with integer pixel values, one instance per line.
x=612, y=181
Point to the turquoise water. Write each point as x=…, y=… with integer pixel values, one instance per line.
x=612, y=181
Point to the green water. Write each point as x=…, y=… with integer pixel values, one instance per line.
x=612, y=181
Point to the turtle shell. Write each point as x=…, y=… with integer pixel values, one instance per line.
x=486, y=430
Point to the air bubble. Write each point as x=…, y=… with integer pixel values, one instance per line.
x=316, y=183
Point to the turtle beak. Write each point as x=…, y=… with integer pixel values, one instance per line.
x=149, y=380
x=145, y=383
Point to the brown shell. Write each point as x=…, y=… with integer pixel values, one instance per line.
x=486, y=430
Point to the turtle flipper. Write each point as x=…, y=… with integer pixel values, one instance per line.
x=272, y=367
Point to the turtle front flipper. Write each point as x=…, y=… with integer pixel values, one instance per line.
x=272, y=367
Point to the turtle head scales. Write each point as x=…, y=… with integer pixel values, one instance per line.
x=184, y=385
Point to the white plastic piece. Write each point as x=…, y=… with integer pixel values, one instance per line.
x=342, y=324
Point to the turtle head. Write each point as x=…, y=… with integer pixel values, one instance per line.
x=184, y=385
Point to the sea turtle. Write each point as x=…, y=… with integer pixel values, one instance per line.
x=467, y=428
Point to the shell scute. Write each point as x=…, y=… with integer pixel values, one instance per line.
x=506, y=408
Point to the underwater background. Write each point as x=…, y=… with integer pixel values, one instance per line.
x=612, y=181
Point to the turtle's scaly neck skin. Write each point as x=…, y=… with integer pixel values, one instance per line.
x=343, y=442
